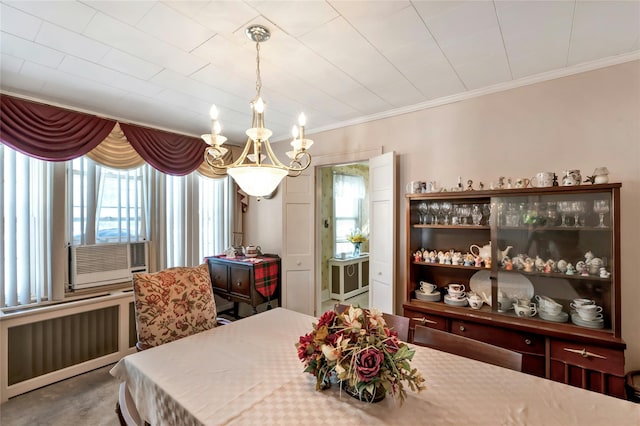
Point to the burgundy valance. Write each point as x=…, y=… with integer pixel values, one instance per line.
x=169, y=153
x=47, y=132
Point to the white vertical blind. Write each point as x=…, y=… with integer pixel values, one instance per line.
x=25, y=220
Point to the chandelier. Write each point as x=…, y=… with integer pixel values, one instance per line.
x=257, y=171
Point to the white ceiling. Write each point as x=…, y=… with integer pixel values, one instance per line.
x=163, y=63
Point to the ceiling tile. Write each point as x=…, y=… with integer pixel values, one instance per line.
x=131, y=40
x=30, y=51
x=593, y=34
x=296, y=17
x=129, y=12
x=10, y=63
x=69, y=42
x=219, y=16
x=71, y=15
x=161, y=18
x=18, y=23
x=486, y=72
x=129, y=64
x=450, y=21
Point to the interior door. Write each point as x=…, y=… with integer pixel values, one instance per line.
x=382, y=240
x=298, y=245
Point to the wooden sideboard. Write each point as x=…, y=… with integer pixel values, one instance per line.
x=246, y=280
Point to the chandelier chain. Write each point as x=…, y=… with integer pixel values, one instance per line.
x=258, y=79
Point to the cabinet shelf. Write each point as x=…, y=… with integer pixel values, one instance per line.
x=465, y=227
x=560, y=275
x=552, y=228
x=445, y=265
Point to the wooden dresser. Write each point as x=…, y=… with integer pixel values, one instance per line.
x=246, y=280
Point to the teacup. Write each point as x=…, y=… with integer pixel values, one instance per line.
x=475, y=301
x=525, y=311
x=415, y=187
x=504, y=304
x=456, y=288
x=589, y=312
x=457, y=294
x=571, y=178
x=542, y=179
x=576, y=303
x=522, y=182
x=548, y=305
x=426, y=287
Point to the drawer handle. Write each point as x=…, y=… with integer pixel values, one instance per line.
x=239, y=283
x=423, y=320
x=585, y=353
x=527, y=341
x=462, y=328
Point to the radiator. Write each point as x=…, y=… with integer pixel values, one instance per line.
x=64, y=341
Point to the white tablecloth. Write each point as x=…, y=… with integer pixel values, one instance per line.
x=248, y=373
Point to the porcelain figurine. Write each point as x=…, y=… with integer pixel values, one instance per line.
x=447, y=258
x=417, y=256
x=432, y=256
x=507, y=264
x=469, y=185
x=570, y=269
x=469, y=260
x=478, y=261
x=539, y=264
x=487, y=263
x=456, y=258
x=549, y=266
x=604, y=273
x=501, y=182
x=561, y=266
x=441, y=257
x=528, y=264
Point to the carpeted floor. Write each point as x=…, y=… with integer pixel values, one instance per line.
x=87, y=399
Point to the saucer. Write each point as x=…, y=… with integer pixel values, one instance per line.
x=575, y=318
x=430, y=297
x=561, y=317
x=455, y=302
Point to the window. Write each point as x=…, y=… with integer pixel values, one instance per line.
x=187, y=218
x=106, y=204
x=348, y=197
x=26, y=224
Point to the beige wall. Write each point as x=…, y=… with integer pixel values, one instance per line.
x=577, y=122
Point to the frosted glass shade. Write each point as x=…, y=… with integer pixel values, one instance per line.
x=257, y=180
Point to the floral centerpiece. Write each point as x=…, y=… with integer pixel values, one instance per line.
x=356, y=237
x=357, y=348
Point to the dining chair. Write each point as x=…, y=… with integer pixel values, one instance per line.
x=172, y=304
x=466, y=347
x=126, y=408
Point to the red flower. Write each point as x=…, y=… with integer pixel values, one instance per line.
x=368, y=364
x=326, y=318
x=153, y=299
x=303, y=346
x=392, y=345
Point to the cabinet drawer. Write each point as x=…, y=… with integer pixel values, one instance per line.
x=240, y=281
x=427, y=320
x=524, y=343
x=218, y=274
x=590, y=357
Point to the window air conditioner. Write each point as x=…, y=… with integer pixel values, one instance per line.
x=102, y=264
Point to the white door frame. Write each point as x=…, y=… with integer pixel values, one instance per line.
x=321, y=161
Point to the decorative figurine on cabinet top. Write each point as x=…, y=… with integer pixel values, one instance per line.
x=604, y=273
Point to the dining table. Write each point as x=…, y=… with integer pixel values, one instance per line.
x=248, y=373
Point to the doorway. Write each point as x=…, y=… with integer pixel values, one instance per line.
x=344, y=211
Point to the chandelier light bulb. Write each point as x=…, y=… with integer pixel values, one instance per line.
x=302, y=120
x=213, y=112
x=294, y=132
x=259, y=105
x=216, y=128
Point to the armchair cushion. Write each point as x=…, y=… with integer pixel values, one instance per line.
x=173, y=303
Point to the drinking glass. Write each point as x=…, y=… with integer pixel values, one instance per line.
x=578, y=208
x=552, y=213
x=465, y=211
x=476, y=214
x=446, y=207
x=435, y=211
x=423, y=210
x=601, y=207
x=564, y=207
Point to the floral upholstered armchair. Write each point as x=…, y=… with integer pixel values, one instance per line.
x=173, y=303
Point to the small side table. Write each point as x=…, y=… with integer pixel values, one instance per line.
x=349, y=276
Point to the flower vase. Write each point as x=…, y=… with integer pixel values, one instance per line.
x=356, y=249
x=364, y=396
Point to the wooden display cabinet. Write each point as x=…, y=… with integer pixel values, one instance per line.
x=529, y=221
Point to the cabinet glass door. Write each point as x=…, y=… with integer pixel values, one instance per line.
x=555, y=251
